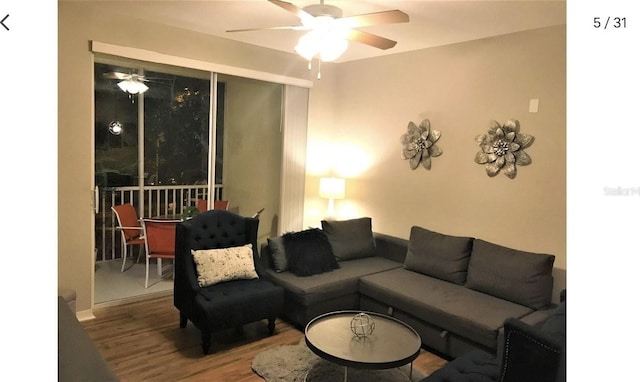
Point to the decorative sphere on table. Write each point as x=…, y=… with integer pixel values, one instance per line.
x=362, y=325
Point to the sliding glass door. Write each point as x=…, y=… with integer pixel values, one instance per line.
x=253, y=149
x=176, y=129
x=152, y=147
x=178, y=142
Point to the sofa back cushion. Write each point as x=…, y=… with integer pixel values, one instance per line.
x=442, y=256
x=522, y=277
x=350, y=239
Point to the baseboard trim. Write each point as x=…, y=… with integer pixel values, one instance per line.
x=85, y=315
x=129, y=300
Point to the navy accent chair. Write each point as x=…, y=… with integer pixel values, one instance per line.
x=224, y=305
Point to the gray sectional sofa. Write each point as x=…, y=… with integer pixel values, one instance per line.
x=456, y=292
x=527, y=353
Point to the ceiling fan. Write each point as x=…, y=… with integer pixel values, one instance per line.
x=131, y=83
x=123, y=76
x=329, y=31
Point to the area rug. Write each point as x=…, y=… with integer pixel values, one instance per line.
x=294, y=363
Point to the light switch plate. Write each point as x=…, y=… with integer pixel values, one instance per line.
x=533, y=105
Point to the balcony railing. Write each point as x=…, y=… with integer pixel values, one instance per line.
x=151, y=201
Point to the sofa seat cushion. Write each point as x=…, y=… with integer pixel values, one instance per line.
x=310, y=290
x=240, y=301
x=466, y=312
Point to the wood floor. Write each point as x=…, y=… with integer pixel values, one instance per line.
x=143, y=342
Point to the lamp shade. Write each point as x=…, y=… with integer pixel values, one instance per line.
x=332, y=188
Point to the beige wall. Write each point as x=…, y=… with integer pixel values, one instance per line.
x=357, y=113
x=459, y=88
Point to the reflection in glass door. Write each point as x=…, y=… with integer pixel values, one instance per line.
x=151, y=150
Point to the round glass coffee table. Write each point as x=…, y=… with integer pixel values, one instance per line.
x=392, y=343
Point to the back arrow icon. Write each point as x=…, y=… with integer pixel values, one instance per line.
x=2, y=22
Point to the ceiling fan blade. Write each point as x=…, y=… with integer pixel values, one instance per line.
x=371, y=39
x=293, y=27
x=115, y=75
x=377, y=18
x=136, y=77
x=303, y=15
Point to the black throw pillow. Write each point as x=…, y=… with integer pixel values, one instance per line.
x=308, y=252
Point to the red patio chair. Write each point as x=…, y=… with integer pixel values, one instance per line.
x=130, y=228
x=160, y=236
x=217, y=205
x=221, y=205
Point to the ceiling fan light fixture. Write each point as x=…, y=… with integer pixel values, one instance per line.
x=332, y=49
x=133, y=86
x=308, y=45
x=329, y=33
x=327, y=44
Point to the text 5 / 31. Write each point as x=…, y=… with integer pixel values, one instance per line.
x=609, y=22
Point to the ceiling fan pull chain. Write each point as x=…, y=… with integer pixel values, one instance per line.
x=319, y=74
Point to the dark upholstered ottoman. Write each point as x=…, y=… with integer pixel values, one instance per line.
x=475, y=366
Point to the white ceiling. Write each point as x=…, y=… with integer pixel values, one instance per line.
x=432, y=23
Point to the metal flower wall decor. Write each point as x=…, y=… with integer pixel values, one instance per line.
x=502, y=148
x=420, y=144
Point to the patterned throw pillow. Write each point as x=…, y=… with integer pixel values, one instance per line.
x=224, y=264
